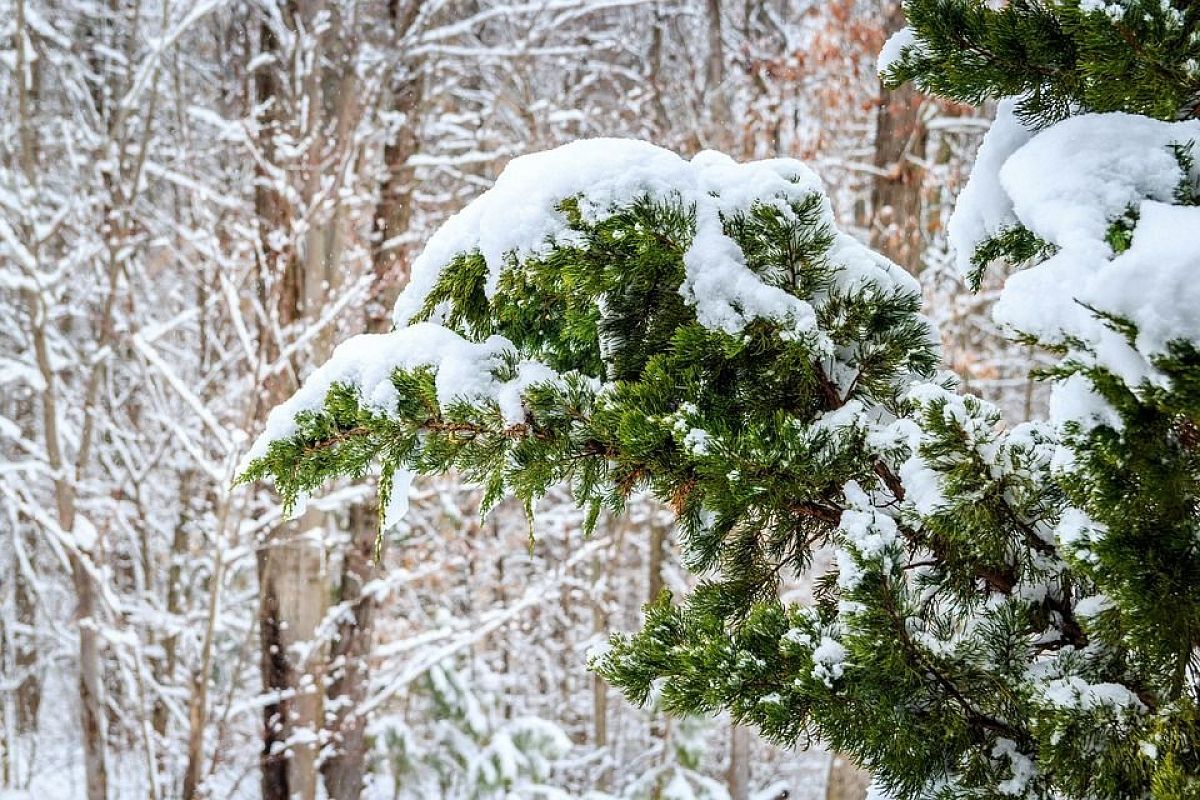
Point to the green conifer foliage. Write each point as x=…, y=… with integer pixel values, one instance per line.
x=1014, y=610
x=638, y=393
x=1060, y=58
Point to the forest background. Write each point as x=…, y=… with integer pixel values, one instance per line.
x=196, y=200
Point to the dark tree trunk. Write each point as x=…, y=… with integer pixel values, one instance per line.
x=349, y=669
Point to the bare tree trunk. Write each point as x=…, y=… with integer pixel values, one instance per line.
x=845, y=781
x=899, y=147
x=164, y=668
x=599, y=687
x=714, y=79
x=90, y=678
x=29, y=690
x=653, y=70
x=91, y=702
x=198, y=697
x=738, y=776
x=348, y=662
x=658, y=540
x=291, y=559
x=291, y=605
x=659, y=724
x=278, y=680
x=343, y=772
x=395, y=195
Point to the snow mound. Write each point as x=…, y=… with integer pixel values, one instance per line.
x=1070, y=185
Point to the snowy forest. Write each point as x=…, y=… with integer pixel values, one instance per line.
x=382, y=417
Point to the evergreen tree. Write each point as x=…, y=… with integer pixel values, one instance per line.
x=1014, y=610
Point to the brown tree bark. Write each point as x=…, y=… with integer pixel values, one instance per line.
x=599, y=686
x=896, y=228
x=291, y=604
x=291, y=558
x=845, y=781
x=716, y=96
x=395, y=195
x=349, y=668
x=29, y=690
x=91, y=699
x=737, y=778
x=654, y=579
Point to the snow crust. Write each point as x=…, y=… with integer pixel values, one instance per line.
x=519, y=217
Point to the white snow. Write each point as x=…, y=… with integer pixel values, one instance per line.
x=1153, y=283
x=518, y=217
x=397, y=506
x=1114, y=11
x=1068, y=185
x=1093, y=605
x=922, y=486
x=1076, y=532
x=696, y=441
x=894, y=47
x=85, y=533
x=1075, y=693
x=366, y=362
x=798, y=637
x=1021, y=765
x=868, y=530
x=1074, y=400
x=829, y=661
x=983, y=208
x=860, y=266
x=1100, y=165
x=847, y=415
